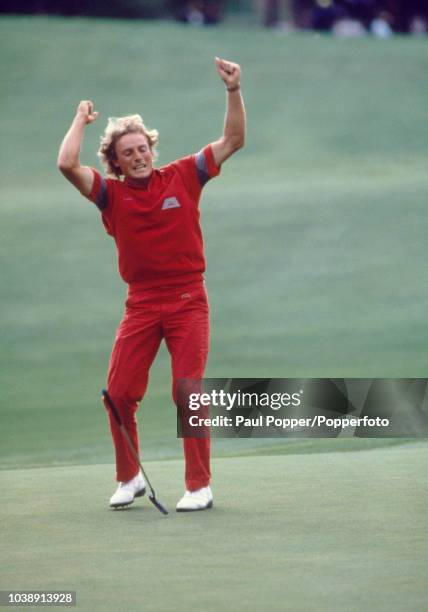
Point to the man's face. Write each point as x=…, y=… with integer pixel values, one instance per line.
x=134, y=156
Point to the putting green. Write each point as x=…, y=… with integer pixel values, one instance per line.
x=336, y=531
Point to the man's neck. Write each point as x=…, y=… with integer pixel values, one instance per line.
x=142, y=183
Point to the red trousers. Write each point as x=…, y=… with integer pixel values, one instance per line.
x=181, y=316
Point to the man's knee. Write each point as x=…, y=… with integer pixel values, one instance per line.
x=125, y=404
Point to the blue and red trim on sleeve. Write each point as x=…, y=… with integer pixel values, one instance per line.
x=99, y=195
x=205, y=165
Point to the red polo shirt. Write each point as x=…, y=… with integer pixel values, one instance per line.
x=156, y=228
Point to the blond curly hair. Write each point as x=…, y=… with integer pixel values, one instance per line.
x=116, y=128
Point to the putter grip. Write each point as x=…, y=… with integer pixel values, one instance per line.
x=112, y=407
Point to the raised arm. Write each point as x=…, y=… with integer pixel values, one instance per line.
x=68, y=157
x=234, y=124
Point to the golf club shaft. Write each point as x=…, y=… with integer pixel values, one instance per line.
x=135, y=455
x=122, y=428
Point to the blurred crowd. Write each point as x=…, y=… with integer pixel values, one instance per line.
x=197, y=12
x=382, y=18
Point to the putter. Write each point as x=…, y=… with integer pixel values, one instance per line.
x=115, y=413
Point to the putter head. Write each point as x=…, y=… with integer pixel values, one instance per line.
x=157, y=504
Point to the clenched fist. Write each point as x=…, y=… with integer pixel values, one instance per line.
x=229, y=73
x=86, y=111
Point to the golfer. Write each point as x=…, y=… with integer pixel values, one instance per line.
x=153, y=216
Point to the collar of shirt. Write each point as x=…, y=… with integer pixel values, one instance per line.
x=146, y=184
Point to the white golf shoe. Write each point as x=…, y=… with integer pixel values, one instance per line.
x=196, y=500
x=127, y=491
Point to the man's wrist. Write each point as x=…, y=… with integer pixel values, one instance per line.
x=234, y=88
x=80, y=120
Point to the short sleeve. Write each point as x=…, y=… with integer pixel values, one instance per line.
x=101, y=196
x=205, y=165
x=196, y=170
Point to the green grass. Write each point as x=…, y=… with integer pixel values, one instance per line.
x=328, y=532
x=315, y=232
x=315, y=236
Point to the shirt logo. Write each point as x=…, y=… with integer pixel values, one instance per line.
x=170, y=203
